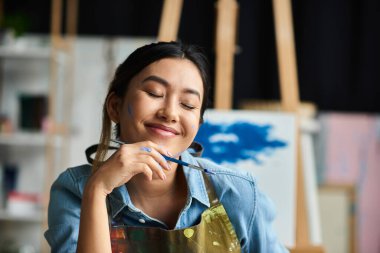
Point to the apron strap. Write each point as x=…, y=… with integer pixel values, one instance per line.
x=92, y=150
x=195, y=149
x=213, y=198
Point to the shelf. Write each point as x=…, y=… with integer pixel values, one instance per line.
x=23, y=139
x=22, y=53
x=35, y=217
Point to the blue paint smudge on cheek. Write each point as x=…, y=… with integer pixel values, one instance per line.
x=130, y=113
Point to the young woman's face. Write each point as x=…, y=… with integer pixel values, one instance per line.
x=163, y=105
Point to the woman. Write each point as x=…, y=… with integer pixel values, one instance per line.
x=138, y=201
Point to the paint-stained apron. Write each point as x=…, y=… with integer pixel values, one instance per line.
x=214, y=233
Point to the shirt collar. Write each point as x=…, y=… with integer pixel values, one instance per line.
x=119, y=198
x=196, y=185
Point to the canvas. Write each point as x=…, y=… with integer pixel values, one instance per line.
x=262, y=143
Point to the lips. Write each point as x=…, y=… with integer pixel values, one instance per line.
x=161, y=129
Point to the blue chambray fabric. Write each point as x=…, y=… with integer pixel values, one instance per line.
x=249, y=210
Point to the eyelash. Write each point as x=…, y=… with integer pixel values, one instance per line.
x=186, y=106
x=154, y=95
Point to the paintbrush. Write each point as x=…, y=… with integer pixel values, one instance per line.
x=192, y=166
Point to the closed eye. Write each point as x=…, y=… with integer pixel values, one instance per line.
x=151, y=94
x=188, y=107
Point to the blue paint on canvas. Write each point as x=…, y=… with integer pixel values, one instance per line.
x=237, y=141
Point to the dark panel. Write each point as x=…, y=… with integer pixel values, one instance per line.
x=337, y=43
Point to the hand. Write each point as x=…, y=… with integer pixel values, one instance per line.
x=128, y=161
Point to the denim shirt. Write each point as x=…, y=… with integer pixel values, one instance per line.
x=250, y=211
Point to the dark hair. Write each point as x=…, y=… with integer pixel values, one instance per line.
x=135, y=63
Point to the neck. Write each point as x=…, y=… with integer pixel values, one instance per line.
x=161, y=199
x=141, y=189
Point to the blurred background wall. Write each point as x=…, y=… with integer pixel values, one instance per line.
x=338, y=52
x=336, y=41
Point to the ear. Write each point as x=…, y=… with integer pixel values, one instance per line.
x=113, y=107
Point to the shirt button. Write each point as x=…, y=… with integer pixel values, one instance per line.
x=141, y=220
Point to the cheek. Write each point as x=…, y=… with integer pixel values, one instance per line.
x=138, y=108
x=193, y=124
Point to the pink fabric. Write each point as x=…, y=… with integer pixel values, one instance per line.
x=353, y=156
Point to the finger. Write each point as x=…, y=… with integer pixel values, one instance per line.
x=144, y=154
x=154, y=165
x=161, y=149
x=145, y=169
x=156, y=155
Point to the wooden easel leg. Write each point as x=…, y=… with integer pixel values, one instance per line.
x=290, y=102
x=308, y=249
x=225, y=51
x=171, y=15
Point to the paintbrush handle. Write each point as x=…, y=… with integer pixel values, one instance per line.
x=174, y=160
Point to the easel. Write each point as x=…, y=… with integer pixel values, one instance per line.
x=60, y=42
x=290, y=101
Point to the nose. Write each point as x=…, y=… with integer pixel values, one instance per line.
x=169, y=111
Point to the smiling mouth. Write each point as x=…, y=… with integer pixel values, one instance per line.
x=162, y=130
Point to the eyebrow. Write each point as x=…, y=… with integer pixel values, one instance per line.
x=166, y=84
